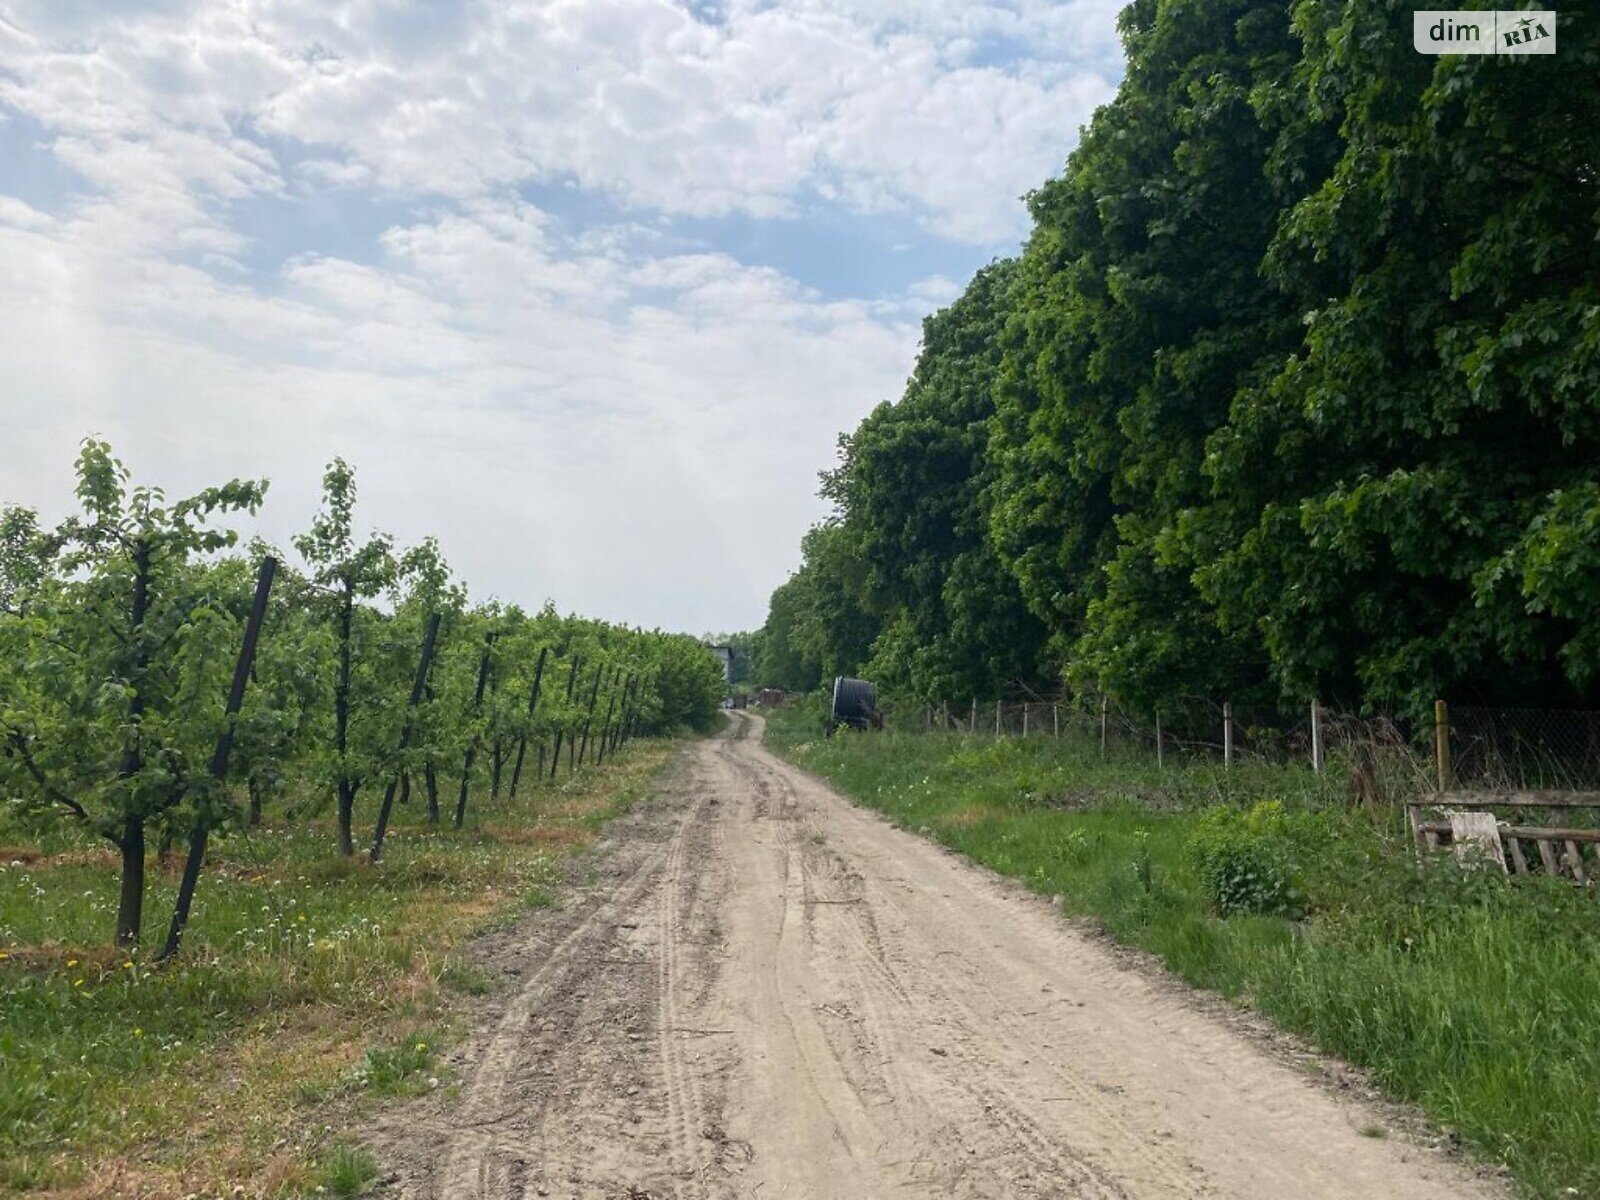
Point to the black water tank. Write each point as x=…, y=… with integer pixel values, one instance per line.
x=855, y=703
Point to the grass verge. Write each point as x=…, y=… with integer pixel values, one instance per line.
x=1471, y=995
x=309, y=984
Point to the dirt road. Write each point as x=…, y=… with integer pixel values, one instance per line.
x=766, y=992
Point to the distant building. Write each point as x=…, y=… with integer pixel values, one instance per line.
x=725, y=655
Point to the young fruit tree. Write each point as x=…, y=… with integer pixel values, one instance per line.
x=346, y=573
x=115, y=650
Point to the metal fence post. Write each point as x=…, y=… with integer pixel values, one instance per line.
x=1316, y=737
x=1159, y=763
x=972, y=722
x=997, y=718
x=1441, y=742
x=1227, y=734
x=1055, y=720
x=1025, y=708
x=1105, y=710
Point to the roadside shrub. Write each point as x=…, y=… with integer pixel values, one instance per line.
x=1245, y=861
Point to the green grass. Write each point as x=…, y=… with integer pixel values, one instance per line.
x=1472, y=995
x=306, y=980
x=345, y=1170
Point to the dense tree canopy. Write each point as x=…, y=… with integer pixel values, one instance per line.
x=1294, y=390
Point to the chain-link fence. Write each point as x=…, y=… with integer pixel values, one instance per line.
x=1523, y=749
x=1381, y=758
x=1482, y=749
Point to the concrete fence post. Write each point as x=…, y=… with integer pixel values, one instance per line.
x=1316, y=737
x=1227, y=734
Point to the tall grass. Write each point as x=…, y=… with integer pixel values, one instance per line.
x=1475, y=996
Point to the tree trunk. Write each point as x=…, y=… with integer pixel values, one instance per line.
x=533, y=707
x=255, y=803
x=130, y=905
x=431, y=777
x=200, y=832
x=341, y=711
x=472, y=746
x=347, y=809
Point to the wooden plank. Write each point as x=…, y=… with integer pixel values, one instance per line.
x=1530, y=799
x=1547, y=855
x=1545, y=833
x=1517, y=856
x=1575, y=862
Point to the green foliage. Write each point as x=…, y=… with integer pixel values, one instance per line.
x=119, y=631
x=1290, y=393
x=912, y=489
x=1245, y=861
x=345, y=1170
x=393, y=1070
x=821, y=624
x=116, y=645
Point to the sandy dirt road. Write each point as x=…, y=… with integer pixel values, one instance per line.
x=765, y=992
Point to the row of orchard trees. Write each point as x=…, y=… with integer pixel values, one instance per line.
x=157, y=685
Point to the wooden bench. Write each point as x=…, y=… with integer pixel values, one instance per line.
x=1559, y=847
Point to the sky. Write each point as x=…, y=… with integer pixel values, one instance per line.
x=588, y=289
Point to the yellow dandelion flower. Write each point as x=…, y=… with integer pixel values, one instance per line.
x=77, y=983
x=72, y=962
x=127, y=966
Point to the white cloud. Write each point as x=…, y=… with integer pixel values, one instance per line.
x=613, y=455
x=596, y=412
x=935, y=290
x=880, y=106
x=20, y=214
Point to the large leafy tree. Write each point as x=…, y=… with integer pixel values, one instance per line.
x=1141, y=311
x=823, y=622
x=1295, y=389
x=912, y=490
x=1405, y=508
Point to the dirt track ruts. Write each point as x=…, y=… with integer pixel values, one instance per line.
x=767, y=992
